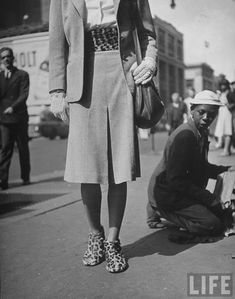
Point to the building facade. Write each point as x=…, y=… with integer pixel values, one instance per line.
x=170, y=59
x=31, y=16
x=200, y=76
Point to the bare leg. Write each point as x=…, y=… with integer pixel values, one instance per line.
x=219, y=143
x=227, y=145
x=91, y=196
x=116, y=204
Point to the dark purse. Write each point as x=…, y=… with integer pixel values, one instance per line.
x=148, y=105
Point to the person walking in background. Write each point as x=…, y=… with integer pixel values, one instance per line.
x=177, y=188
x=176, y=113
x=14, y=90
x=96, y=74
x=231, y=107
x=223, y=129
x=191, y=94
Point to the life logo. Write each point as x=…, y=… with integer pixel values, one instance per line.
x=210, y=284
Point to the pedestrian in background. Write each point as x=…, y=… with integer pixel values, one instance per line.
x=98, y=83
x=190, y=96
x=14, y=90
x=223, y=129
x=177, y=188
x=176, y=113
x=231, y=107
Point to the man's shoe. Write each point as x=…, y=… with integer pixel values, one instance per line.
x=26, y=182
x=4, y=185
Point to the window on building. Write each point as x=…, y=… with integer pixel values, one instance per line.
x=207, y=72
x=207, y=85
x=181, y=81
x=190, y=83
x=24, y=12
x=171, y=47
x=172, y=77
x=180, y=50
x=161, y=40
x=163, y=79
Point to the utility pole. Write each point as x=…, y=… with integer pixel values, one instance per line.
x=173, y=5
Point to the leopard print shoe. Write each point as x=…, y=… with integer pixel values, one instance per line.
x=116, y=262
x=95, y=253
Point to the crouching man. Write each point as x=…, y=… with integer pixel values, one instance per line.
x=177, y=189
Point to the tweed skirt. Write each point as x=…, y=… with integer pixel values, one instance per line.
x=102, y=143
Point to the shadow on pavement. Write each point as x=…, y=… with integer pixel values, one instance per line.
x=156, y=242
x=54, y=179
x=14, y=201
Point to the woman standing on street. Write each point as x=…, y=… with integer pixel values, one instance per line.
x=92, y=64
x=223, y=129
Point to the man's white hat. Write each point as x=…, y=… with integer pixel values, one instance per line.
x=206, y=97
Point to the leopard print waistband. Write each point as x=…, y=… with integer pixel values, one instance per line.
x=102, y=39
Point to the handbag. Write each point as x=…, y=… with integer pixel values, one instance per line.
x=148, y=105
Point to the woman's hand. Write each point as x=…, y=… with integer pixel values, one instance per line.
x=145, y=71
x=59, y=106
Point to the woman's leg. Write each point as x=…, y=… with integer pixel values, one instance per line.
x=219, y=143
x=117, y=194
x=91, y=197
x=227, y=145
x=116, y=262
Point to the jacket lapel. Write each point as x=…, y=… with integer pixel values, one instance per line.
x=116, y=5
x=12, y=79
x=79, y=5
x=6, y=84
x=3, y=83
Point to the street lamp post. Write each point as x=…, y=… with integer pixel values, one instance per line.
x=172, y=4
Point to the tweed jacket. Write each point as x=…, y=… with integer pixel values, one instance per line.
x=181, y=177
x=66, y=44
x=14, y=93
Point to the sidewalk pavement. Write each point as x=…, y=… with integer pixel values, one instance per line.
x=41, y=245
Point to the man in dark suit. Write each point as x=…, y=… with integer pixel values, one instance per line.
x=177, y=189
x=14, y=90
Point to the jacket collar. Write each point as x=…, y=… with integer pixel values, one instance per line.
x=191, y=123
x=197, y=133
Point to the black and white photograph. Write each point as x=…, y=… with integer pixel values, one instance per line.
x=117, y=149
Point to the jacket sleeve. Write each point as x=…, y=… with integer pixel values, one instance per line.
x=23, y=90
x=214, y=170
x=58, y=48
x=146, y=31
x=180, y=157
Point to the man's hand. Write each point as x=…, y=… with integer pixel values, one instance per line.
x=9, y=110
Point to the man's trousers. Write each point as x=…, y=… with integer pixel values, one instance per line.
x=11, y=133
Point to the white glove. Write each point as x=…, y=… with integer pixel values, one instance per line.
x=145, y=71
x=59, y=106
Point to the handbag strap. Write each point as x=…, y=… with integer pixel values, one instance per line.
x=135, y=33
